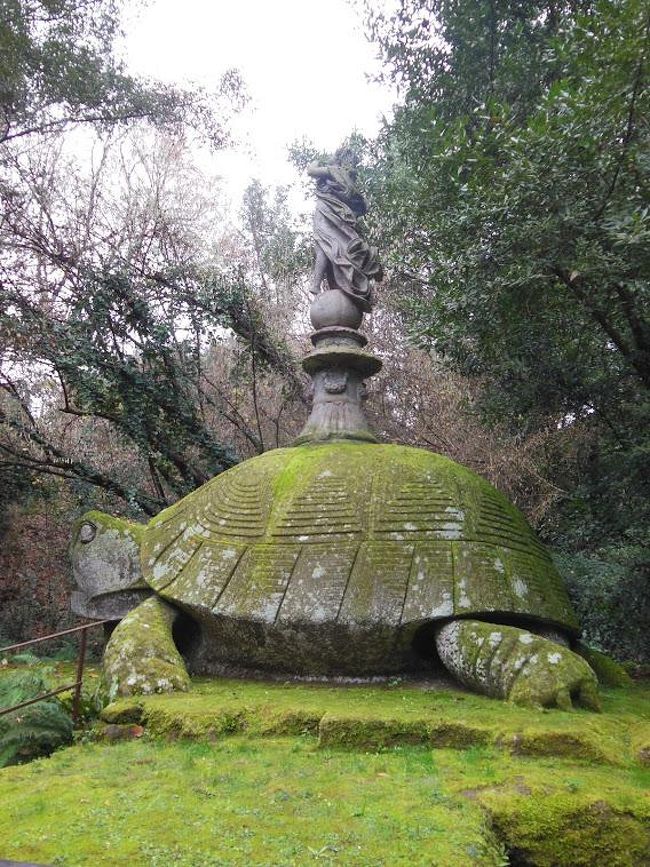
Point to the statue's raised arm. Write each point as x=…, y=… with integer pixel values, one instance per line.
x=343, y=258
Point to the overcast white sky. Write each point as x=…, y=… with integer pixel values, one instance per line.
x=305, y=64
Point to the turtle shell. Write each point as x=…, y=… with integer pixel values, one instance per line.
x=335, y=557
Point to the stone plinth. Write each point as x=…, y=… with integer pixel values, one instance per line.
x=338, y=366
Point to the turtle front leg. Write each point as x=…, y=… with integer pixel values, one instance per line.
x=141, y=657
x=517, y=665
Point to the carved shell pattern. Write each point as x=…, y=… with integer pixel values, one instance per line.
x=351, y=533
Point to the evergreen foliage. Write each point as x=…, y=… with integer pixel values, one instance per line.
x=58, y=67
x=512, y=187
x=36, y=730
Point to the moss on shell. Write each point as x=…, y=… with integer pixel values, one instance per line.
x=352, y=537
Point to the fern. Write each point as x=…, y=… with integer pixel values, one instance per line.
x=32, y=731
x=25, y=658
x=21, y=685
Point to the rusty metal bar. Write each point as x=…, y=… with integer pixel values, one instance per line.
x=42, y=697
x=13, y=647
x=80, y=674
x=81, y=658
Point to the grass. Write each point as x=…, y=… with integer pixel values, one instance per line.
x=240, y=801
x=239, y=772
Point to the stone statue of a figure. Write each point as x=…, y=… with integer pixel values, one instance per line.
x=343, y=258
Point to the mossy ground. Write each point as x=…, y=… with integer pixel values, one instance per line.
x=258, y=773
x=370, y=717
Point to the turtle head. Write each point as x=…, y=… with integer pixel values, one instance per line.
x=105, y=554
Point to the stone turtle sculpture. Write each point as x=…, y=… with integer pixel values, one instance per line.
x=342, y=558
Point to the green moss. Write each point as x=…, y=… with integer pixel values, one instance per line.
x=571, y=745
x=109, y=522
x=458, y=735
x=124, y=711
x=555, y=813
x=224, y=787
x=141, y=656
x=364, y=733
x=584, y=831
x=369, y=734
x=641, y=743
x=282, y=801
x=538, y=683
x=512, y=663
x=242, y=540
x=238, y=802
x=372, y=717
x=497, y=563
x=608, y=672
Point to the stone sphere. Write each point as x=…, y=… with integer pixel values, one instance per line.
x=334, y=307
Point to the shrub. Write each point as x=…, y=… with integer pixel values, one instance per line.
x=32, y=731
x=612, y=601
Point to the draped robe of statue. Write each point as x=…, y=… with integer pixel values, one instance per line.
x=343, y=257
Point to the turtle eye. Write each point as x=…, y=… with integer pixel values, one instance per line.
x=87, y=532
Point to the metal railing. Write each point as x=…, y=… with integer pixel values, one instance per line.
x=81, y=658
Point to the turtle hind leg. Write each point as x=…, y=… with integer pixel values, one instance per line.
x=141, y=656
x=515, y=664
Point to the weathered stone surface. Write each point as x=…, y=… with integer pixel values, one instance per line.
x=424, y=544
x=105, y=554
x=338, y=558
x=334, y=307
x=330, y=558
x=344, y=260
x=141, y=657
x=338, y=370
x=515, y=664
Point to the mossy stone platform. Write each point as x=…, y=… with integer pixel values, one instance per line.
x=243, y=772
x=376, y=717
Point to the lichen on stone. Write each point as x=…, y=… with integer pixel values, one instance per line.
x=141, y=657
x=330, y=558
x=514, y=664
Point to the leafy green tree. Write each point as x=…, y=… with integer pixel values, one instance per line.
x=517, y=171
x=514, y=194
x=58, y=67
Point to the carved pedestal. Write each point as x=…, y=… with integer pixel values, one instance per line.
x=338, y=366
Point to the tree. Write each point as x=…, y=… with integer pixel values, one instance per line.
x=58, y=71
x=517, y=172
x=114, y=302
x=111, y=301
x=58, y=68
x=513, y=186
